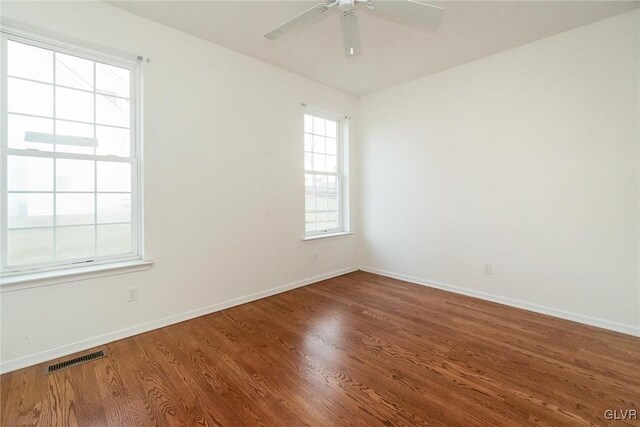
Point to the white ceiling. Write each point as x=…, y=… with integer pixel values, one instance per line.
x=391, y=53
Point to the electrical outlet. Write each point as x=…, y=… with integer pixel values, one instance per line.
x=488, y=269
x=132, y=294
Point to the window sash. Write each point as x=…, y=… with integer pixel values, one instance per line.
x=36, y=116
x=40, y=82
x=338, y=209
x=30, y=152
x=133, y=159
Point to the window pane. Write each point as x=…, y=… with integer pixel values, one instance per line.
x=74, y=105
x=308, y=123
x=308, y=183
x=29, y=98
x=114, y=208
x=75, y=242
x=74, y=175
x=331, y=163
x=114, y=176
x=18, y=126
x=318, y=126
x=319, y=162
x=74, y=145
x=321, y=202
x=308, y=142
x=29, y=210
x=321, y=183
x=112, y=111
x=29, y=62
x=310, y=201
x=318, y=145
x=331, y=128
x=72, y=209
x=308, y=161
x=112, y=80
x=332, y=146
x=332, y=184
x=30, y=246
x=73, y=71
x=113, y=141
x=114, y=239
x=29, y=173
x=332, y=202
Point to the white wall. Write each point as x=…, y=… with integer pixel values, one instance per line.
x=526, y=160
x=224, y=190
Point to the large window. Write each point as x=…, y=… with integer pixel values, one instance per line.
x=323, y=175
x=69, y=157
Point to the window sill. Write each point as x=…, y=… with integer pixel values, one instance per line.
x=327, y=236
x=46, y=278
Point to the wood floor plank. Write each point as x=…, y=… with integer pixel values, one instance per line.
x=359, y=349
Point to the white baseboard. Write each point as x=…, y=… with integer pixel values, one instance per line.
x=64, y=350
x=580, y=318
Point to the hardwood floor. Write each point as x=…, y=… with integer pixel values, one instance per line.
x=359, y=349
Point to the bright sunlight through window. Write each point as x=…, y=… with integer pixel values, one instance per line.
x=323, y=175
x=69, y=183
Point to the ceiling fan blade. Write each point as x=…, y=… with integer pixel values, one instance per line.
x=350, y=33
x=425, y=16
x=297, y=20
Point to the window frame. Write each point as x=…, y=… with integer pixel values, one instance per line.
x=134, y=158
x=341, y=147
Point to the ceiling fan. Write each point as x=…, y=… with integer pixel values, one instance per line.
x=426, y=16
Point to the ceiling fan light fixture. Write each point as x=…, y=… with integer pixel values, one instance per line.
x=350, y=33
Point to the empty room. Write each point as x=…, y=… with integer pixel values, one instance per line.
x=292, y=213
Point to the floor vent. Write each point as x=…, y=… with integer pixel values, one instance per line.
x=76, y=361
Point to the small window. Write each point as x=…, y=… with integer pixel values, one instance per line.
x=323, y=175
x=69, y=154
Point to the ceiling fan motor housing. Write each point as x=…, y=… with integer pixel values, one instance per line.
x=345, y=5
